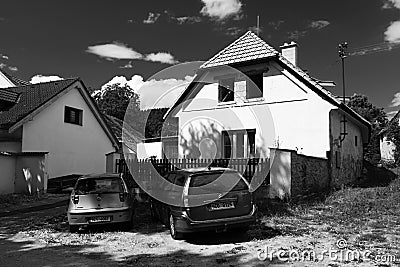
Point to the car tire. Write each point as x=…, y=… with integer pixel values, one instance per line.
x=172, y=229
x=73, y=228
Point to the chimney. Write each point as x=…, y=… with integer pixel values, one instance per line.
x=289, y=51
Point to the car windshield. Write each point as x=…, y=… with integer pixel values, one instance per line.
x=217, y=182
x=99, y=185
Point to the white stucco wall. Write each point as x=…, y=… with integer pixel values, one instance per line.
x=146, y=150
x=7, y=175
x=387, y=149
x=4, y=81
x=289, y=115
x=73, y=149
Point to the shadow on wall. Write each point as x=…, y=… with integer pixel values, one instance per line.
x=204, y=141
x=30, y=174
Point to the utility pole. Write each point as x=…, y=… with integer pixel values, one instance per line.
x=343, y=55
x=258, y=25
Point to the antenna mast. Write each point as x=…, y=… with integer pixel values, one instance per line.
x=343, y=54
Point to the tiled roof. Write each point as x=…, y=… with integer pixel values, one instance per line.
x=16, y=81
x=132, y=136
x=9, y=96
x=31, y=97
x=248, y=47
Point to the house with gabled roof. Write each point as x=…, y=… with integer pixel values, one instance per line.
x=58, y=118
x=250, y=99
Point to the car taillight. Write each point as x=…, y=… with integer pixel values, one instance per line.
x=122, y=197
x=75, y=199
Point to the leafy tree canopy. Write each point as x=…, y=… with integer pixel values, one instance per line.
x=377, y=117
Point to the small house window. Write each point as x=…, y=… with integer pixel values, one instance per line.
x=255, y=86
x=238, y=143
x=73, y=115
x=226, y=90
x=355, y=140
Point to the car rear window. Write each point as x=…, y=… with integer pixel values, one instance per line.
x=99, y=185
x=221, y=181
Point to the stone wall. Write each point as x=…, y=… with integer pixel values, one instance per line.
x=309, y=174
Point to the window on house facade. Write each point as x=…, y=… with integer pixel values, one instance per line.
x=226, y=90
x=254, y=85
x=355, y=140
x=238, y=144
x=73, y=115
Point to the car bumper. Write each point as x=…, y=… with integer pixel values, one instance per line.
x=184, y=224
x=82, y=217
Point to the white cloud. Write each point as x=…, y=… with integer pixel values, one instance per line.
x=221, y=9
x=151, y=18
x=3, y=56
x=114, y=51
x=127, y=65
x=391, y=3
x=396, y=100
x=319, y=24
x=153, y=93
x=39, y=78
x=121, y=51
x=392, y=33
x=162, y=57
x=12, y=68
x=187, y=19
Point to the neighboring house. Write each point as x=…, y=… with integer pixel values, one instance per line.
x=58, y=118
x=127, y=143
x=387, y=147
x=7, y=80
x=249, y=99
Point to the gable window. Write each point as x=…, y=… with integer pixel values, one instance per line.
x=254, y=85
x=73, y=115
x=225, y=90
x=238, y=144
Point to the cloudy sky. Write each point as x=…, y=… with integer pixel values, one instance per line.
x=130, y=41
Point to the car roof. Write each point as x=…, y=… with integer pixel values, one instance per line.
x=100, y=175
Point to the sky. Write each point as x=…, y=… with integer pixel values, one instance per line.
x=123, y=41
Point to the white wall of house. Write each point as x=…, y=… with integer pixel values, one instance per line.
x=387, y=149
x=347, y=156
x=146, y=150
x=73, y=149
x=4, y=81
x=7, y=176
x=289, y=116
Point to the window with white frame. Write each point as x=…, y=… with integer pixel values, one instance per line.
x=238, y=144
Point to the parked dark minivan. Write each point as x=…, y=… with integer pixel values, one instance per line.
x=226, y=205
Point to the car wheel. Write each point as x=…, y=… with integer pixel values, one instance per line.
x=172, y=229
x=73, y=228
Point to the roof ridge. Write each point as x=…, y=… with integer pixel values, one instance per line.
x=255, y=47
x=32, y=84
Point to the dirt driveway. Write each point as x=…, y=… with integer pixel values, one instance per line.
x=283, y=239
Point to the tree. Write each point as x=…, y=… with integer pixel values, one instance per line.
x=377, y=117
x=114, y=100
x=392, y=133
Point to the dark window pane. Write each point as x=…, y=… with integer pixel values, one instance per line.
x=251, y=135
x=255, y=86
x=225, y=90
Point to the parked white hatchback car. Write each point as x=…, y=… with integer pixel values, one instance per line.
x=100, y=199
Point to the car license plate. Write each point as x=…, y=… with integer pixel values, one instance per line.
x=100, y=219
x=222, y=206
